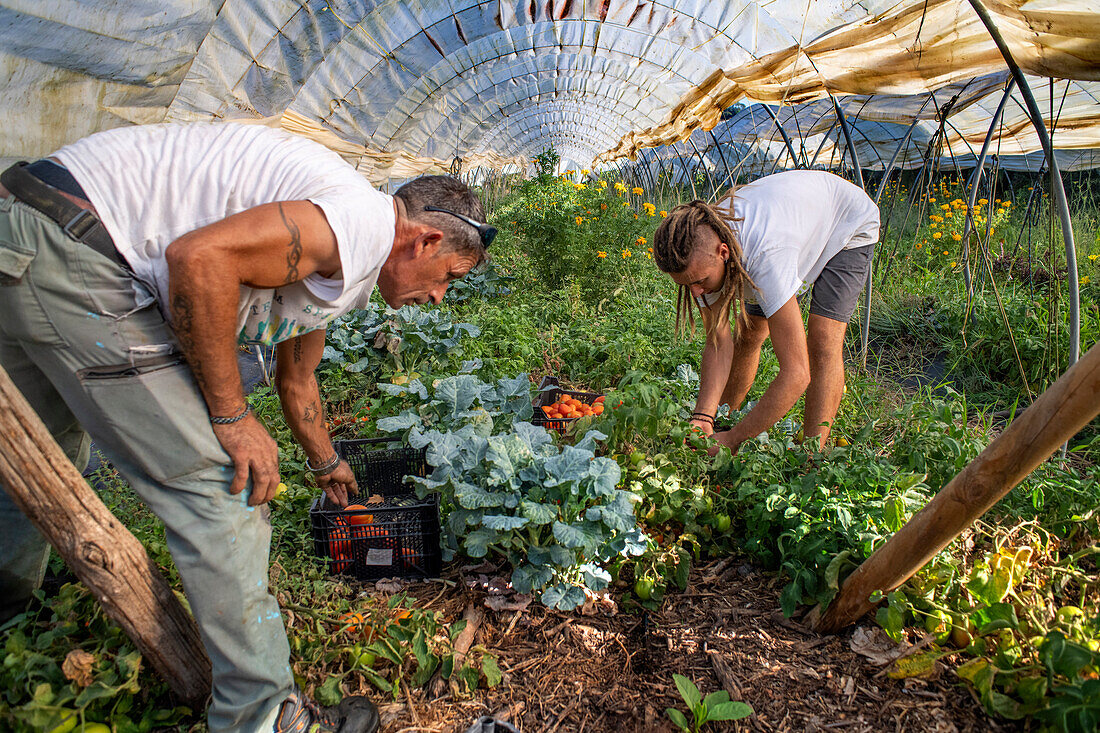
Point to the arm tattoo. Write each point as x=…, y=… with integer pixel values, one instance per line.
x=310, y=413
x=294, y=256
x=183, y=321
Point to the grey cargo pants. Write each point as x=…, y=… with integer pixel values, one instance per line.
x=90, y=350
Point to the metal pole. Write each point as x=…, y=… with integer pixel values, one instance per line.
x=975, y=179
x=865, y=324
x=721, y=155
x=786, y=137
x=1056, y=181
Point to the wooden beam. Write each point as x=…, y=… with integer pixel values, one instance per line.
x=1055, y=417
x=49, y=490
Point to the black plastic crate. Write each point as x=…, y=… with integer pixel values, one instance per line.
x=380, y=469
x=549, y=393
x=396, y=535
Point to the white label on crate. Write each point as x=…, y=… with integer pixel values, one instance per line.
x=379, y=557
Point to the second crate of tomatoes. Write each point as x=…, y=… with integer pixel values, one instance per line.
x=557, y=408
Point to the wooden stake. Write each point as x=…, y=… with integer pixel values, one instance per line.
x=1055, y=417
x=49, y=490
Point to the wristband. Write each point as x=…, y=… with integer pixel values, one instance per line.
x=230, y=420
x=325, y=468
x=702, y=416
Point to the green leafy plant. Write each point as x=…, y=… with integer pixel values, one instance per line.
x=715, y=707
x=555, y=513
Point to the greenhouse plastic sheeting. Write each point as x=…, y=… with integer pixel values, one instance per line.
x=402, y=88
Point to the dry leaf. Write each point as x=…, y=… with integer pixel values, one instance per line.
x=874, y=644
x=390, y=585
x=516, y=602
x=78, y=667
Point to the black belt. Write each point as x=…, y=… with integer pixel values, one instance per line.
x=79, y=223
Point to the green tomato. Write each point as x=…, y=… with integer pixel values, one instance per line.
x=367, y=659
x=722, y=522
x=1068, y=615
x=643, y=588
x=66, y=725
x=96, y=728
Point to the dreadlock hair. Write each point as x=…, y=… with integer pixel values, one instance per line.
x=673, y=244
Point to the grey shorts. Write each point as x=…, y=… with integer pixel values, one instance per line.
x=836, y=291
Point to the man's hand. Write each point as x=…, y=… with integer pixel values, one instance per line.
x=706, y=427
x=727, y=438
x=254, y=453
x=338, y=484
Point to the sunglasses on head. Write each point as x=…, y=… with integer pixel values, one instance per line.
x=486, y=232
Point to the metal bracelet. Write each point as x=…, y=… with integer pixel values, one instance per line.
x=325, y=468
x=236, y=418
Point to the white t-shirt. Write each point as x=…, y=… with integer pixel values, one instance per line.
x=792, y=223
x=152, y=184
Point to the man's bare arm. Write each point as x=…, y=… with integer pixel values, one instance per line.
x=296, y=383
x=263, y=247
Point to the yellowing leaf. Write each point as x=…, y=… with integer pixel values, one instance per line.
x=921, y=665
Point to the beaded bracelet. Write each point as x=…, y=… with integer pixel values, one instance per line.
x=230, y=420
x=325, y=468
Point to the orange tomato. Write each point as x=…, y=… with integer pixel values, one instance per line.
x=339, y=548
x=599, y=400
x=358, y=518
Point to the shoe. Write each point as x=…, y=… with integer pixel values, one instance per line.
x=299, y=714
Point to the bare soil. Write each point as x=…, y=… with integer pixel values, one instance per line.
x=612, y=670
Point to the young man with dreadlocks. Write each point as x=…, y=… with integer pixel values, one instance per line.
x=759, y=250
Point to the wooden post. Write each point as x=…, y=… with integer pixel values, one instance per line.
x=1055, y=417
x=49, y=490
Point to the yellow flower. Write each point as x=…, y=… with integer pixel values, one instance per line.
x=640, y=241
x=931, y=201
x=948, y=214
x=957, y=237
x=626, y=253
x=1093, y=257
x=931, y=226
x=918, y=245
x=945, y=251
x=983, y=202
x=603, y=185
x=1006, y=204
x=1085, y=280
x=945, y=207
x=650, y=250
x=619, y=186
x=584, y=171
x=601, y=254
x=649, y=255
x=603, y=207
x=650, y=209
x=626, y=203
x=579, y=186
x=954, y=263
x=663, y=213
x=937, y=235
x=638, y=190
x=579, y=220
